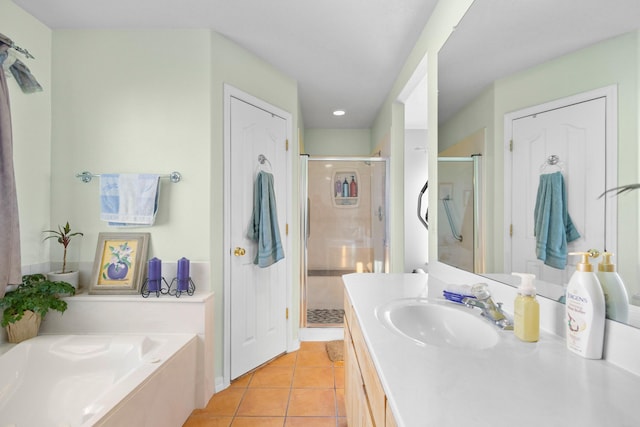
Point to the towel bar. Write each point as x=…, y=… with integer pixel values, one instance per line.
x=86, y=177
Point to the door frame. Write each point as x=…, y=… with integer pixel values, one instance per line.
x=610, y=93
x=229, y=93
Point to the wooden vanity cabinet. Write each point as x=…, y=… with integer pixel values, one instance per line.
x=365, y=400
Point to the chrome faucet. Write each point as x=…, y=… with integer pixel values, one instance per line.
x=490, y=309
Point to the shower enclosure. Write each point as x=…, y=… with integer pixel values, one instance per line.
x=459, y=207
x=344, y=218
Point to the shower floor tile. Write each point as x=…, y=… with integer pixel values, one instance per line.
x=325, y=316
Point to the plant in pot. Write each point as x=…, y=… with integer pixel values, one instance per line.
x=26, y=306
x=63, y=236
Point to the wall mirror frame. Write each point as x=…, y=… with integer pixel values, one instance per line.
x=506, y=56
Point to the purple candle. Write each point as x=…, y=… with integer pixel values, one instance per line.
x=183, y=274
x=155, y=274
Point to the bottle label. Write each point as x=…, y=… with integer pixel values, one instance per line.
x=577, y=323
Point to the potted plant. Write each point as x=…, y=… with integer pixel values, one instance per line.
x=63, y=236
x=26, y=306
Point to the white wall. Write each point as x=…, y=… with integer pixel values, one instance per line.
x=338, y=142
x=416, y=236
x=133, y=101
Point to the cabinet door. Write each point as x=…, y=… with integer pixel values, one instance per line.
x=356, y=402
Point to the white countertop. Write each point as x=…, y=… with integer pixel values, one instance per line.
x=512, y=384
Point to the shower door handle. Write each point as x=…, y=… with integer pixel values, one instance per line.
x=239, y=251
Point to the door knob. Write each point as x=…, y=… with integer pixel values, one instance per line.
x=239, y=251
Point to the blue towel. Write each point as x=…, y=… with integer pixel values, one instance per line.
x=553, y=226
x=129, y=199
x=263, y=227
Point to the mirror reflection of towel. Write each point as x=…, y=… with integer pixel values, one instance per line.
x=553, y=227
x=263, y=227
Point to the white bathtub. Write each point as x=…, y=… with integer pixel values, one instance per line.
x=98, y=380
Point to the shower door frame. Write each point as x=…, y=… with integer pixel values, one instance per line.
x=304, y=221
x=478, y=258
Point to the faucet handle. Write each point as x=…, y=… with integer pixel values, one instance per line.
x=480, y=291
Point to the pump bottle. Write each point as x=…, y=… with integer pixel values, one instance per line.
x=585, y=310
x=353, y=187
x=526, y=313
x=615, y=295
x=345, y=188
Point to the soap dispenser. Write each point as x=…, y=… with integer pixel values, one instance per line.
x=615, y=295
x=526, y=312
x=585, y=309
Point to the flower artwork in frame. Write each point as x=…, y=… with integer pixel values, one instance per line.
x=119, y=264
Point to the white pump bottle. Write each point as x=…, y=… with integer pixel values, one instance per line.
x=615, y=294
x=585, y=310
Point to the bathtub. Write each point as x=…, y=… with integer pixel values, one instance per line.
x=98, y=380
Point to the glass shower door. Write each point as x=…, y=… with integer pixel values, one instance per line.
x=345, y=228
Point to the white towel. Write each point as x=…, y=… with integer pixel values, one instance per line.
x=129, y=199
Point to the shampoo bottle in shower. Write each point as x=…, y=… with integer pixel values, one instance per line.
x=338, y=187
x=353, y=188
x=585, y=310
x=615, y=294
x=345, y=188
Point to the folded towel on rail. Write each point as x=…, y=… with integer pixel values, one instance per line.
x=129, y=199
x=263, y=227
x=553, y=227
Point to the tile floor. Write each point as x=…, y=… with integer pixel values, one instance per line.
x=298, y=389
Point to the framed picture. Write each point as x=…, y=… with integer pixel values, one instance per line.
x=119, y=265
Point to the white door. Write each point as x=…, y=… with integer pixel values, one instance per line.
x=576, y=134
x=258, y=295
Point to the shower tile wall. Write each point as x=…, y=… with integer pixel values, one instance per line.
x=340, y=236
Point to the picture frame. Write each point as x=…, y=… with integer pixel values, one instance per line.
x=119, y=264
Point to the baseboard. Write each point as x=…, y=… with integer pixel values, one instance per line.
x=320, y=334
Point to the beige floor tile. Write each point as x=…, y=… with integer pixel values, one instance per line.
x=314, y=359
x=313, y=346
x=264, y=402
x=339, y=373
x=312, y=402
x=243, y=381
x=304, y=377
x=342, y=409
x=310, y=422
x=273, y=376
x=204, y=419
x=258, y=422
x=225, y=402
x=288, y=359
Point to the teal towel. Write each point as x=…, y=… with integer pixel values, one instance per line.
x=553, y=225
x=264, y=222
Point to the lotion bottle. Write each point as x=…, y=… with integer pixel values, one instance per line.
x=526, y=312
x=585, y=310
x=615, y=294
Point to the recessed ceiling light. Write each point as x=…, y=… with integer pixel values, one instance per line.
x=339, y=113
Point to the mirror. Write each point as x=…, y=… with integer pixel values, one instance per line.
x=507, y=56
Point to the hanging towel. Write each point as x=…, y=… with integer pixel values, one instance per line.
x=553, y=227
x=129, y=199
x=263, y=227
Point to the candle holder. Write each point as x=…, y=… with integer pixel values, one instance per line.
x=161, y=287
x=182, y=286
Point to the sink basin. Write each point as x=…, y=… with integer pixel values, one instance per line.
x=437, y=323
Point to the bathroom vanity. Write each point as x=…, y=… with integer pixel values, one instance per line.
x=397, y=374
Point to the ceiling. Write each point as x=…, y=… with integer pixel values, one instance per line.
x=343, y=54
